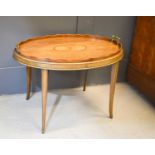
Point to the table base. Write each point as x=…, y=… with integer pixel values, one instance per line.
x=44, y=84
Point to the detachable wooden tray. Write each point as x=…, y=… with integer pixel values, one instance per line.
x=68, y=48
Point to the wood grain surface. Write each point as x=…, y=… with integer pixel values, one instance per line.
x=68, y=52
x=141, y=67
x=67, y=48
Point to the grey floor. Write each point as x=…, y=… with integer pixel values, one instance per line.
x=72, y=113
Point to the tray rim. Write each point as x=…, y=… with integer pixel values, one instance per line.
x=42, y=64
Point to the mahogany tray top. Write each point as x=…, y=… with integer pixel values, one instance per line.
x=64, y=51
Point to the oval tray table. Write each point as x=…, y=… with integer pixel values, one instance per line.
x=68, y=52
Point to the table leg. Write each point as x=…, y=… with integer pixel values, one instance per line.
x=114, y=73
x=85, y=80
x=44, y=74
x=28, y=81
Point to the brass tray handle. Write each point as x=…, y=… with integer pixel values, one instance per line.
x=116, y=39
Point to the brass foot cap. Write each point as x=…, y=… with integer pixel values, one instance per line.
x=43, y=131
x=27, y=97
x=111, y=116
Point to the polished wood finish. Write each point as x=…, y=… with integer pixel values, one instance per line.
x=68, y=48
x=114, y=73
x=44, y=75
x=103, y=52
x=69, y=52
x=28, y=80
x=141, y=68
x=85, y=80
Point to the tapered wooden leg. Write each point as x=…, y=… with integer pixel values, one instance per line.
x=44, y=74
x=114, y=73
x=85, y=80
x=28, y=80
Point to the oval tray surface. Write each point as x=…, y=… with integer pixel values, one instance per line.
x=68, y=48
x=68, y=52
